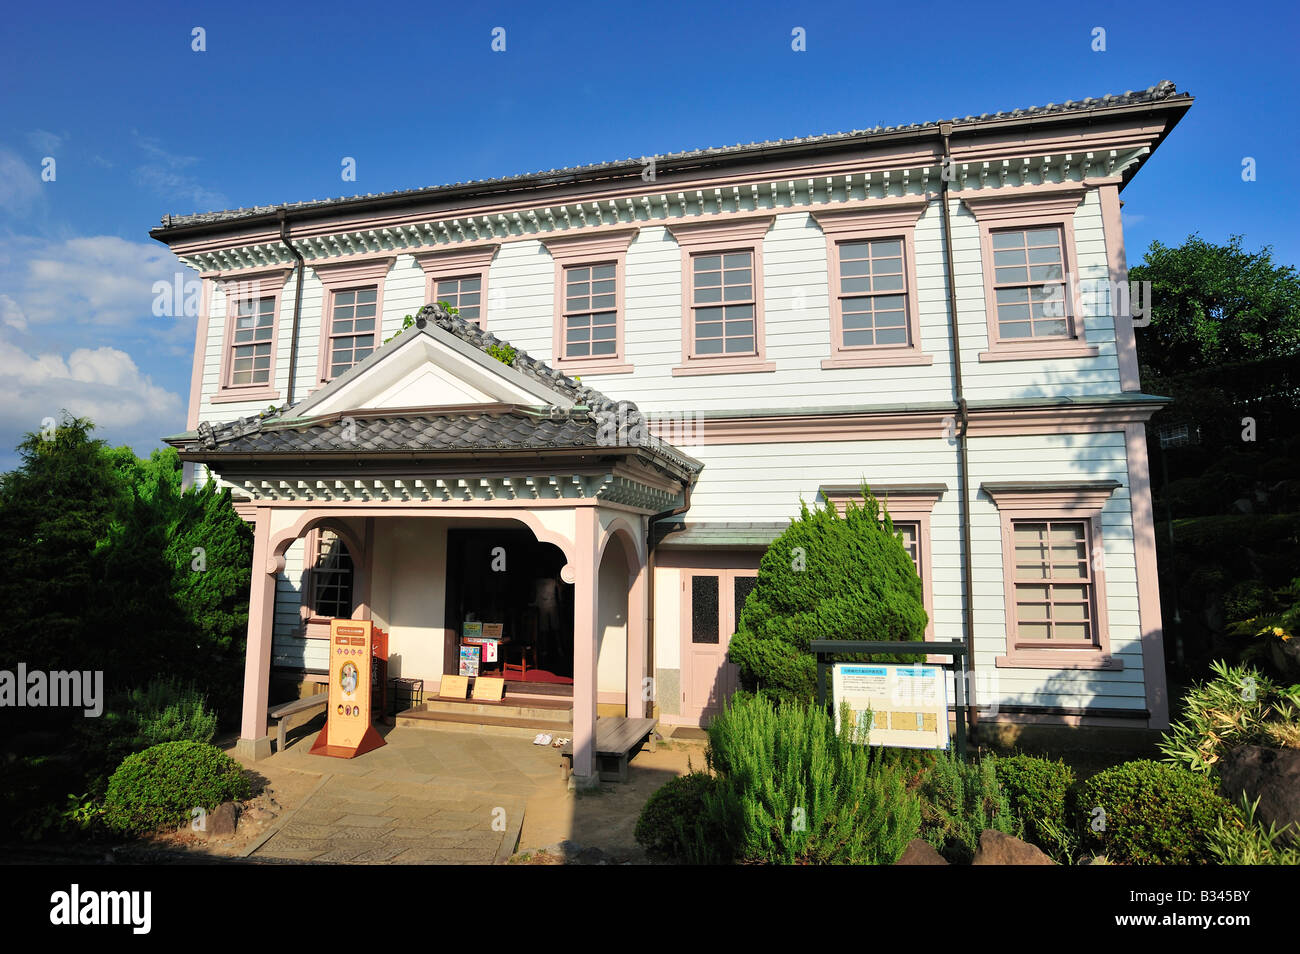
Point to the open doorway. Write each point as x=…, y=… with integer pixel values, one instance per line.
x=506, y=578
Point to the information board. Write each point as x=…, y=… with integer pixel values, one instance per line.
x=908, y=703
x=348, y=731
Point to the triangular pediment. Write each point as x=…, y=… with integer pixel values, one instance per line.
x=428, y=368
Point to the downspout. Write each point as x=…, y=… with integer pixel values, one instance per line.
x=650, y=574
x=297, y=305
x=963, y=420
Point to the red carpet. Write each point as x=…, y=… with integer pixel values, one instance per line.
x=541, y=675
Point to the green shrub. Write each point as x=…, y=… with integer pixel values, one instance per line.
x=791, y=790
x=1239, y=706
x=1241, y=839
x=160, y=787
x=1037, y=790
x=673, y=817
x=958, y=801
x=826, y=576
x=1151, y=813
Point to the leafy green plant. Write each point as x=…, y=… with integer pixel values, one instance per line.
x=1239, y=706
x=161, y=786
x=1241, y=839
x=673, y=819
x=502, y=352
x=1037, y=790
x=1147, y=812
x=409, y=320
x=826, y=575
x=958, y=801
x=789, y=789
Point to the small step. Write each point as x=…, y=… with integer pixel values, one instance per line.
x=545, y=709
x=500, y=723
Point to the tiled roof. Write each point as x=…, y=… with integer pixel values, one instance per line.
x=1162, y=91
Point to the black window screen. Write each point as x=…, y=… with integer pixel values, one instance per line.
x=704, y=609
x=744, y=585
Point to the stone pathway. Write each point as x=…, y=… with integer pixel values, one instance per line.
x=425, y=797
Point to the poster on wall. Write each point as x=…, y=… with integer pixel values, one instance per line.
x=348, y=732
x=471, y=632
x=907, y=704
x=469, y=660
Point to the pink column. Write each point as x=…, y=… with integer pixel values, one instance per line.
x=1148, y=579
x=254, y=742
x=638, y=610
x=585, y=596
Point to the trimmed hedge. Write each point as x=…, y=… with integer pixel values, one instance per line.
x=673, y=817
x=1151, y=813
x=161, y=786
x=1038, y=791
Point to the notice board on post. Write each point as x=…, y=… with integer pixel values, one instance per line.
x=908, y=703
x=348, y=730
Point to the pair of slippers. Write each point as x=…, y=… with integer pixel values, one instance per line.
x=544, y=739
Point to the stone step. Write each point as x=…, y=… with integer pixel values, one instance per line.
x=540, y=709
x=499, y=724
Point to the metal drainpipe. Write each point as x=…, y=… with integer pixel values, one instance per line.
x=963, y=462
x=650, y=573
x=297, y=305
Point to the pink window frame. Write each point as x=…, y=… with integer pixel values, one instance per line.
x=739, y=235
x=1056, y=208
x=578, y=251
x=895, y=220
x=1078, y=503
x=469, y=262
x=906, y=503
x=346, y=276
x=235, y=289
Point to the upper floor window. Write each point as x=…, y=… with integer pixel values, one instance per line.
x=590, y=313
x=722, y=296
x=1031, y=272
x=1029, y=283
x=352, y=313
x=248, y=354
x=1054, y=574
x=588, y=333
x=873, y=310
x=458, y=277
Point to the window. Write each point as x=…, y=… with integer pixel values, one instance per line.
x=1031, y=281
x=1054, y=574
x=1053, y=584
x=910, y=507
x=1029, y=284
x=459, y=276
x=873, y=310
x=352, y=313
x=589, y=320
x=722, y=296
x=465, y=294
x=331, y=577
x=252, y=325
x=590, y=315
x=352, y=328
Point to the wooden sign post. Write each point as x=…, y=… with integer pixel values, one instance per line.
x=348, y=731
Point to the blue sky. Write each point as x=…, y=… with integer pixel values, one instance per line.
x=139, y=125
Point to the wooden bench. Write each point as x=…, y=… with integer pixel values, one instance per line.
x=618, y=739
x=285, y=711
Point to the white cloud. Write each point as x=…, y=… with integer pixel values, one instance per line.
x=45, y=142
x=102, y=384
x=165, y=174
x=20, y=183
x=96, y=280
x=11, y=314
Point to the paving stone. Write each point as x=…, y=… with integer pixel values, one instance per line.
x=367, y=821
x=306, y=832
x=383, y=854
x=350, y=834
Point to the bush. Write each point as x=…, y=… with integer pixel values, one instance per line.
x=160, y=787
x=1151, y=813
x=789, y=789
x=960, y=800
x=1037, y=790
x=826, y=576
x=1239, y=706
x=673, y=817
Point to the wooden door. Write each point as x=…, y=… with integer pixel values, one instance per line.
x=711, y=603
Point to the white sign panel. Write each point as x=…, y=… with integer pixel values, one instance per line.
x=908, y=703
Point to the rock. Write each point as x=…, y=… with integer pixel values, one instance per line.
x=999, y=849
x=1095, y=860
x=221, y=821
x=1271, y=775
x=919, y=852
